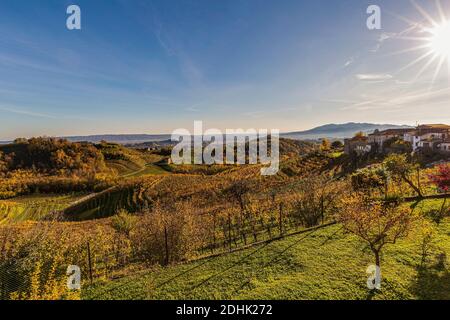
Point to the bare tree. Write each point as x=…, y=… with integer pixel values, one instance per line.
x=374, y=222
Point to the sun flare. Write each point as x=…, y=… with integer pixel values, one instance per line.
x=440, y=39
x=432, y=34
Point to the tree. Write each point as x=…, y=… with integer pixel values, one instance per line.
x=399, y=166
x=441, y=179
x=170, y=232
x=337, y=144
x=397, y=145
x=359, y=135
x=367, y=179
x=317, y=197
x=376, y=223
x=123, y=222
x=325, y=145
x=237, y=193
x=21, y=141
x=3, y=163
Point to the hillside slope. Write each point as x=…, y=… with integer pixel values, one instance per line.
x=321, y=264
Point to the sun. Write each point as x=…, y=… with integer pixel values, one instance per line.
x=432, y=36
x=439, y=41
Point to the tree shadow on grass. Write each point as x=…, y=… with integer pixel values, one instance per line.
x=433, y=281
x=389, y=290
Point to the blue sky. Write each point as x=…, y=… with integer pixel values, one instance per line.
x=154, y=66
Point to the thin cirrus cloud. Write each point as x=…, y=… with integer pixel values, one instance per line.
x=26, y=112
x=374, y=76
x=416, y=99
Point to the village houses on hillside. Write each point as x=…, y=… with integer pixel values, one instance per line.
x=434, y=137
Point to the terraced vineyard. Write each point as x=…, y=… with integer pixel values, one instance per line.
x=130, y=196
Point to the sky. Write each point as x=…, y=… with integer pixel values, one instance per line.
x=154, y=66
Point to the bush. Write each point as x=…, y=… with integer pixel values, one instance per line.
x=369, y=178
x=123, y=222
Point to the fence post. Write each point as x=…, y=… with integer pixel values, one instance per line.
x=229, y=230
x=322, y=208
x=167, y=246
x=89, y=261
x=281, y=219
x=214, y=235
x=418, y=179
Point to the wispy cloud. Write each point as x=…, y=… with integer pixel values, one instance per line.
x=374, y=76
x=385, y=36
x=26, y=112
x=192, y=109
x=172, y=48
x=381, y=39
x=349, y=62
x=407, y=101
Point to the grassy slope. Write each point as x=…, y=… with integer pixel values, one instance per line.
x=33, y=207
x=324, y=264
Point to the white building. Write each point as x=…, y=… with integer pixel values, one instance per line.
x=412, y=138
x=378, y=138
x=428, y=136
x=444, y=146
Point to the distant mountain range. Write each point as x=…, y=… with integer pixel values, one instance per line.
x=331, y=131
x=340, y=131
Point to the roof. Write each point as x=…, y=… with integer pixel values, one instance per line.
x=434, y=126
x=432, y=140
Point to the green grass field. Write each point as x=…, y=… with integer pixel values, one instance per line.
x=321, y=264
x=33, y=207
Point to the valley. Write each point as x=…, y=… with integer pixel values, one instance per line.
x=141, y=228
